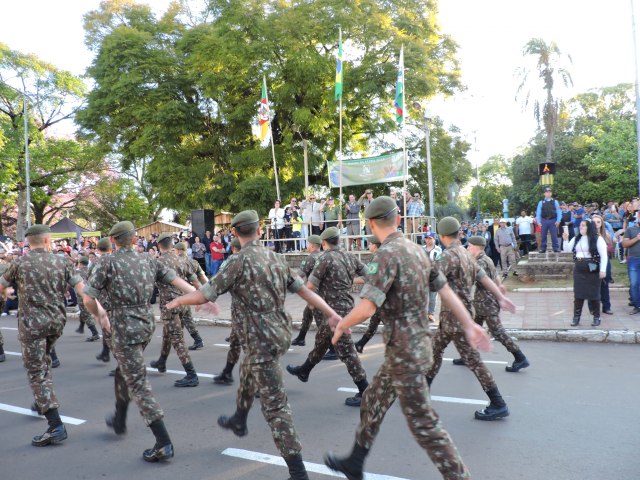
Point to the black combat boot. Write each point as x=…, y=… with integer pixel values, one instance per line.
x=360, y=344
x=595, y=311
x=56, y=432
x=351, y=466
x=80, y=329
x=191, y=380
x=55, y=362
x=163, y=449
x=197, y=342
x=429, y=381
x=94, y=334
x=458, y=361
x=299, y=340
x=225, y=377
x=296, y=468
x=496, y=409
x=160, y=364
x=118, y=421
x=302, y=372
x=577, y=311
x=237, y=422
x=519, y=363
x=356, y=401
x=104, y=354
x=331, y=354
x=2, y=354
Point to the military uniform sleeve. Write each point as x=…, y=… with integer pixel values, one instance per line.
x=97, y=280
x=436, y=280
x=294, y=282
x=361, y=268
x=10, y=275
x=224, y=280
x=381, y=274
x=319, y=271
x=164, y=274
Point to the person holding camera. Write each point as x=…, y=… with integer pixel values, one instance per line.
x=590, y=257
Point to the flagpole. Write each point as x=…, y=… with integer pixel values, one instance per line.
x=404, y=144
x=340, y=159
x=273, y=148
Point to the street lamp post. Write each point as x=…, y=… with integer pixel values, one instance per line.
x=426, y=116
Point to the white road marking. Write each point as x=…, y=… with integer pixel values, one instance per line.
x=31, y=413
x=8, y=328
x=495, y=362
x=17, y=354
x=181, y=372
x=435, y=398
x=311, y=467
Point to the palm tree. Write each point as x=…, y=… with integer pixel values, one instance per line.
x=550, y=68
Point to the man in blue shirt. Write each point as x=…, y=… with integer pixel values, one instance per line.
x=548, y=216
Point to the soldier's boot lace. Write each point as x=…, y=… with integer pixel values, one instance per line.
x=118, y=421
x=197, y=343
x=191, y=380
x=160, y=364
x=301, y=371
x=496, y=409
x=237, y=422
x=351, y=466
x=225, y=377
x=296, y=468
x=519, y=363
x=360, y=344
x=163, y=449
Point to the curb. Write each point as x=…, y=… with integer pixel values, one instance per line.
x=555, y=289
x=551, y=335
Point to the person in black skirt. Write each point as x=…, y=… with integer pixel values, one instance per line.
x=590, y=258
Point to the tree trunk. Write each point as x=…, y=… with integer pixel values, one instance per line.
x=21, y=225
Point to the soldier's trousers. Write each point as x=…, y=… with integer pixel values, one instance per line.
x=374, y=323
x=266, y=378
x=85, y=316
x=345, y=349
x=497, y=331
x=35, y=357
x=172, y=333
x=1, y=340
x=424, y=423
x=131, y=380
x=307, y=318
x=449, y=331
x=189, y=323
x=235, y=343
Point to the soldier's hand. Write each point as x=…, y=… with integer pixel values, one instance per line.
x=334, y=320
x=507, y=305
x=477, y=337
x=173, y=304
x=103, y=320
x=338, y=331
x=209, y=307
x=503, y=289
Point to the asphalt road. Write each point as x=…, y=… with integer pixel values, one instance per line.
x=574, y=415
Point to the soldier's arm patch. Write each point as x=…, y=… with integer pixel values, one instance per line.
x=372, y=268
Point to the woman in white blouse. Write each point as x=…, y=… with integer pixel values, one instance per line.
x=590, y=257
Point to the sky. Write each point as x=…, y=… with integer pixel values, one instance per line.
x=490, y=35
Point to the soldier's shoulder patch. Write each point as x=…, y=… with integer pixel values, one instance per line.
x=372, y=268
x=441, y=257
x=303, y=263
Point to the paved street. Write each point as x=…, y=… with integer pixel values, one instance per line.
x=573, y=416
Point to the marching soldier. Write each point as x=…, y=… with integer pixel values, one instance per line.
x=257, y=279
x=85, y=316
x=187, y=318
x=3, y=268
x=128, y=279
x=374, y=321
x=398, y=276
x=314, y=245
x=42, y=279
x=104, y=249
x=462, y=272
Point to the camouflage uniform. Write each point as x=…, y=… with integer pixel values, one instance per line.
x=374, y=323
x=104, y=300
x=333, y=276
x=172, y=320
x=42, y=279
x=236, y=338
x=128, y=278
x=462, y=272
x=306, y=267
x=85, y=316
x=258, y=279
x=400, y=274
x=487, y=306
x=187, y=317
x=3, y=268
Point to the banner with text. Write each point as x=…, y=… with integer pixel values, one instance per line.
x=362, y=171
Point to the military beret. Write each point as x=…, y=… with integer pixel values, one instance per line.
x=373, y=239
x=180, y=246
x=448, y=226
x=235, y=243
x=121, y=228
x=380, y=207
x=477, y=240
x=37, y=230
x=104, y=244
x=164, y=236
x=330, y=232
x=246, y=217
x=315, y=239
x=83, y=260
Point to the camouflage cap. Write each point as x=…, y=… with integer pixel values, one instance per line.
x=83, y=260
x=380, y=207
x=330, y=232
x=121, y=228
x=315, y=239
x=235, y=243
x=104, y=244
x=448, y=226
x=373, y=239
x=478, y=240
x=164, y=236
x=180, y=246
x=37, y=230
x=246, y=217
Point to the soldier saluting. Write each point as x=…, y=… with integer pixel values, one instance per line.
x=42, y=279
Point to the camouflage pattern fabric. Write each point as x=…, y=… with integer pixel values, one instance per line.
x=306, y=267
x=129, y=279
x=400, y=273
x=258, y=280
x=84, y=315
x=488, y=309
x=189, y=323
x=104, y=300
x=187, y=318
x=307, y=318
x=462, y=272
x=374, y=322
x=236, y=337
x=42, y=279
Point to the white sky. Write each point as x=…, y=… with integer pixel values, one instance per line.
x=490, y=33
